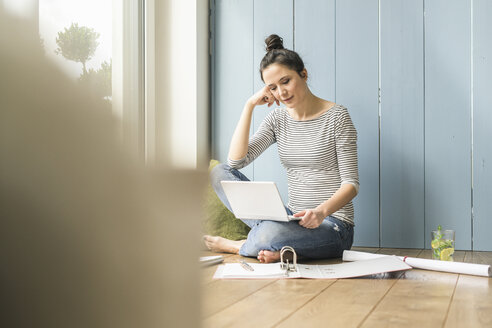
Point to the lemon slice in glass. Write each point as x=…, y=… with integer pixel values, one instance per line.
x=447, y=253
x=435, y=243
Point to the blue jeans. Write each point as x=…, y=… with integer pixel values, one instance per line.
x=328, y=240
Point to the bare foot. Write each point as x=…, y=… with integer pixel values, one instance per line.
x=223, y=245
x=268, y=256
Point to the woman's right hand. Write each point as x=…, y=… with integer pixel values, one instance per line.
x=240, y=138
x=263, y=96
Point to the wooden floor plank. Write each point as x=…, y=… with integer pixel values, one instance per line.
x=210, y=253
x=343, y=304
x=472, y=301
x=234, y=258
x=207, y=272
x=420, y=298
x=479, y=257
x=219, y=294
x=365, y=249
x=410, y=299
x=223, y=293
x=269, y=305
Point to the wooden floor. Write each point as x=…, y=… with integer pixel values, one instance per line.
x=414, y=298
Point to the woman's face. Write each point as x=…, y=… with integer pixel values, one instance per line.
x=285, y=84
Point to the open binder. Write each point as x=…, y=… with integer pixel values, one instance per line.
x=284, y=263
x=291, y=269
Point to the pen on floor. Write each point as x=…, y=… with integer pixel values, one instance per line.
x=246, y=266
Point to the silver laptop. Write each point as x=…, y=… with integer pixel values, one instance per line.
x=256, y=200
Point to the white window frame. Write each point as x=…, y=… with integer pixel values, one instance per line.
x=128, y=76
x=177, y=80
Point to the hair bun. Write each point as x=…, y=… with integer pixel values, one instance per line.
x=274, y=42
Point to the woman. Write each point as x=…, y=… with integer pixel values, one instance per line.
x=317, y=145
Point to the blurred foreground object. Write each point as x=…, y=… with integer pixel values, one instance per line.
x=88, y=237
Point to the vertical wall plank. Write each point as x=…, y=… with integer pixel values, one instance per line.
x=270, y=17
x=402, y=124
x=357, y=89
x=482, y=125
x=233, y=76
x=447, y=119
x=314, y=38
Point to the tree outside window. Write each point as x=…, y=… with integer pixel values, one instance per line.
x=79, y=44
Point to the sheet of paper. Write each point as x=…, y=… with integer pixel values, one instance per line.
x=426, y=264
x=309, y=271
x=353, y=269
x=357, y=256
x=269, y=270
x=363, y=268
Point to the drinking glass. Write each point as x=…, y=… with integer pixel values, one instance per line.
x=442, y=245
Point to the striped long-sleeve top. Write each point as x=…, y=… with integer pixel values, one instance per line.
x=319, y=156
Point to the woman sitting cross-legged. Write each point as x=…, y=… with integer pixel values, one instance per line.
x=317, y=145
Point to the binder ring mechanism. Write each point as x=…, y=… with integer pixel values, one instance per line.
x=289, y=267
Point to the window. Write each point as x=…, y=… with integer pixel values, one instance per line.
x=77, y=35
x=99, y=44
x=148, y=59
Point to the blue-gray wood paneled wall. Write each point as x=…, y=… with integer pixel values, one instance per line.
x=416, y=77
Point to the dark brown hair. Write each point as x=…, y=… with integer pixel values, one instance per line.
x=277, y=54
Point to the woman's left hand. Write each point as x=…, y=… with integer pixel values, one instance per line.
x=311, y=218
